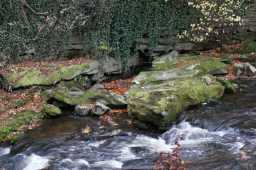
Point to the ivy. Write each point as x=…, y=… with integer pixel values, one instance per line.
x=130, y=20
x=106, y=27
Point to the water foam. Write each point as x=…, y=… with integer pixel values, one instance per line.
x=4, y=151
x=109, y=164
x=36, y=162
x=190, y=135
x=153, y=144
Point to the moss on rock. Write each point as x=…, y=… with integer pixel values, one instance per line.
x=203, y=65
x=165, y=75
x=25, y=76
x=13, y=127
x=211, y=65
x=71, y=96
x=160, y=103
x=174, y=84
x=51, y=110
x=167, y=63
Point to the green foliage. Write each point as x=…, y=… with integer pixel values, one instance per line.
x=49, y=28
x=41, y=28
x=110, y=26
x=129, y=20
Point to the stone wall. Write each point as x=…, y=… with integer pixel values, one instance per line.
x=250, y=17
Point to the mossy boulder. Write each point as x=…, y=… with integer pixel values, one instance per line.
x=26, y=76
x=165, y=75
x=200, y=64
x=76, y=96
x=159, y=103
x=173, y=85
x=51, y=110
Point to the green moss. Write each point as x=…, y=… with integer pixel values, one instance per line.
x=64, y=95
x=210, y=65
x=173, y=85
x=33, y=76
x=11, y=129
x=26, y=78
x=166, y=100
x=161, y=76
x=20, y=102
x=204, y=65
x=163, y=63
x=75, y=96
x=51, y=110
x=67, y=73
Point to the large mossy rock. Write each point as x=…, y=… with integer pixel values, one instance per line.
x=159, y=103
x=76, y=96
x=200, y=64
x=21, y=77
x=174, y=84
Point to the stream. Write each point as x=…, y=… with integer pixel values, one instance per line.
x=216, y=136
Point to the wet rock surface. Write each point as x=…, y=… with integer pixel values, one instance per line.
x=174, y=84
x=160, y=103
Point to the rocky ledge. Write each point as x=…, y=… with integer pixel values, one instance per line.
x=174, y=84
x=156, y=97
x=46, y=89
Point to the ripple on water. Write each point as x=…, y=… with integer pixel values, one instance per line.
x=122, y=152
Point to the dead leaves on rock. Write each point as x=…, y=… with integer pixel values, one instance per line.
x=120, y=86
x=44, y=66
x=13, y=103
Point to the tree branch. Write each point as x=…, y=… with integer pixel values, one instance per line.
x=25, y=4
x=25, y=16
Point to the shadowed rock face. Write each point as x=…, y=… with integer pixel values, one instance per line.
x=157, y=97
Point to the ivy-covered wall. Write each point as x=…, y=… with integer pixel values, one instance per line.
x=44, y=28
x=249, y=18
x=48, y=28
x=129, y=20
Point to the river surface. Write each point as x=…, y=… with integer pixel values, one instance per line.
x=216, y=136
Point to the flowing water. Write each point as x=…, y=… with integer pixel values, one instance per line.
x=217, y=136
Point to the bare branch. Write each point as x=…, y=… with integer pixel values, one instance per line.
x=25, y=16
x=25, y=4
